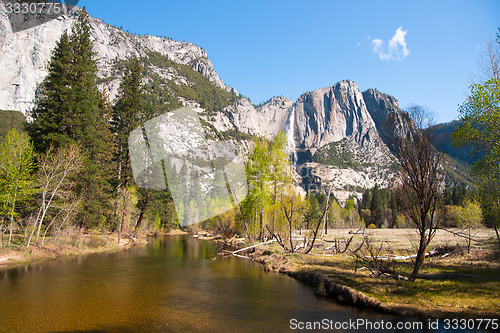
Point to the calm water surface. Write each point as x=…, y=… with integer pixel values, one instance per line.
x=172, y=285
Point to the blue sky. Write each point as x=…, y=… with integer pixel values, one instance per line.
x=421, y=52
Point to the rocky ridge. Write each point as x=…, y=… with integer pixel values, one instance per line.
x=339, y=136
x=25, y=55
x=339, y=144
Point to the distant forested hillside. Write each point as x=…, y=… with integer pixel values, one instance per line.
x=443, y=134
x=10, y=120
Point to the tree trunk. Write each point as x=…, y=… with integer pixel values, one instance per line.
x=12, y=220
x=469, y=241
x=326, y=223
x=123, y=220
x=141, y=215
x=10, y=231
x=290, y=224
x=261, y=224
x=419, y=262
x=1, y=234
x=496, y=231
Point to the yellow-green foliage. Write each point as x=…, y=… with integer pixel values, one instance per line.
x=470, y=215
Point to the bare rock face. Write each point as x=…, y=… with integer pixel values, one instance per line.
x=340, y=139
x=331, y=114
x=23, y=60
x=276, y=114
x=264, y=121
x=390, y=121
x=25, y=55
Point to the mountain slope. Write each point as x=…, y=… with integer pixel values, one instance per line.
x=339, y=137
x=25, y=55
x=443, y=136
x=10, y=120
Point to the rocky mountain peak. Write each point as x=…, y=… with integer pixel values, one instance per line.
x=390, y=120
x=25, y=55
x=331, y=114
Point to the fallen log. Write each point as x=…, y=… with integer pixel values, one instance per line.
x=394, y=257
x=251, y=247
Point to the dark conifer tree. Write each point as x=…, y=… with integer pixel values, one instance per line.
x=89, y=126
x=129, y=112
x=376, y=205
x=71, y=109
x=49, y=125
x=366, y=200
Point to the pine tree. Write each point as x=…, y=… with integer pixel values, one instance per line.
x=49, y=127
x=129, y=112
x=367, y=199
x=455, y=196
x=376, y=205
x=89, y=125
x=71, y=109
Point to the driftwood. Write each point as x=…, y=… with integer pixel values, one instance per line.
x=336, y=246
x=394, y=257
x=251, y=247
x=442, y=252
x=235, y=253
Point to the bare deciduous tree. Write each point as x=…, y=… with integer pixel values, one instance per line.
x=421, y=176
x=55, y=171
x=369, y=255
x=489, y=63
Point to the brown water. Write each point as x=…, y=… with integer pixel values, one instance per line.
x=172, y=285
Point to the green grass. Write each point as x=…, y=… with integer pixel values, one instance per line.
x=457, y=296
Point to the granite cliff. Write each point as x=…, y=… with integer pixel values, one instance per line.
x=339, y=136
x=25, y=55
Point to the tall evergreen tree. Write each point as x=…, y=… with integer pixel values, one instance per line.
x=129, y=112
x=376, y=205
x=376, y=201
x=71, y=109
x=53, y=100
x=89, y=125
x=366, y=200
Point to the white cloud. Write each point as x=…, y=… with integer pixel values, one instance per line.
x=396, y=48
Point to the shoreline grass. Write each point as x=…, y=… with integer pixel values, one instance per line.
x=471, y=290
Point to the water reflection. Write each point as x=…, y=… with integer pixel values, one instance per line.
x=172, y=285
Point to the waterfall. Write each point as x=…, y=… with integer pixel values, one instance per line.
x=291, y=136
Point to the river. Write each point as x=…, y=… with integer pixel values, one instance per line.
x=175, y=284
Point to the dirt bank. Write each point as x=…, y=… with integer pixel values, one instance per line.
x=89, y=243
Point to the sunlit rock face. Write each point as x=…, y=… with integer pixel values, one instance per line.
x=25, y=55
x=339, y=137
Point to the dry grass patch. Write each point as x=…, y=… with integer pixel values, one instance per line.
x=460, y=285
